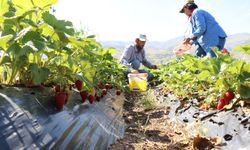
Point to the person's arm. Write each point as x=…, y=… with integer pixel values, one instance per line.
x=200, y=23
x=145, y=62
x=125, y=57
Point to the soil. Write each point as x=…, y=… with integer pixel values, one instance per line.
x=152, y=129
x=149, y=129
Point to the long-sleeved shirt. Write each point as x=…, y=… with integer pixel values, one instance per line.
x=205, y=29
x=131, y=53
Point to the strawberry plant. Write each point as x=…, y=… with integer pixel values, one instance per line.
x=244, y=48
x=98, y=98
x=38, y=48
x=84, y=95
x=211, y=78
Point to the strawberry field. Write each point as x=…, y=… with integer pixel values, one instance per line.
x=80, y=83
x=217, y=82
x=37, y=49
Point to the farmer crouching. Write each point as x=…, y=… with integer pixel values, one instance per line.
x=134, y=55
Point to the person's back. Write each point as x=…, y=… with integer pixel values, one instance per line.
x=212, y=30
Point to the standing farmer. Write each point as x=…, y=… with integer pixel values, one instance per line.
x=206, y=32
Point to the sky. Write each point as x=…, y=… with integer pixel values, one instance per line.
x=160, y=20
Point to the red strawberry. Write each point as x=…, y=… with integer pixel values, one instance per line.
x=57, y=88
x=224, y=50
x=91, y=99
x=78, y=84
x=84, y=95
x=60, y=100
x=229, y=95
x=118, y=92
x=226, y=100
x=104, y=92
x=221, y=104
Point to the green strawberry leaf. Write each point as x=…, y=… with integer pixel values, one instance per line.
x=4, y=41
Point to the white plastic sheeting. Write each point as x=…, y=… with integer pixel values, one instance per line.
x=29, y=120
x=232, y=126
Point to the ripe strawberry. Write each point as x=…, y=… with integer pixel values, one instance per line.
x=226, y=100
x=221, y=104
x=60, y=100
x=84, y=95
x=118, y=92
x=91, y=99
x=57, y=88
x=78, y=84
x=104, y=92
x=229, y=95
x=224, y=50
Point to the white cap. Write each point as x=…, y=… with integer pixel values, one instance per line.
x=142, y=37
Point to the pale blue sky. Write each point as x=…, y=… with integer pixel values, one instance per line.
x=159, y=19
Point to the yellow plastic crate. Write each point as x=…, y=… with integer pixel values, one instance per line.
x=138, y=82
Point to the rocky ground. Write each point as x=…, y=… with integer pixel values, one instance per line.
x=149, y=128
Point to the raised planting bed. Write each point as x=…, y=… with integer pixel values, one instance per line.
x=29, y=119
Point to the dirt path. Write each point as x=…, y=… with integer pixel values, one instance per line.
x=148, y=128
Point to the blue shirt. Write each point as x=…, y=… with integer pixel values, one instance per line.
x=205, y=29
x=131, y=53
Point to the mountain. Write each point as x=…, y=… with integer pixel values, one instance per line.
x=157, y=51
x=237, y=39
x=158, y=45
x=161, y=51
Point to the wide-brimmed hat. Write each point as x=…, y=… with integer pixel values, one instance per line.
x=187, y=3
x=142, y=37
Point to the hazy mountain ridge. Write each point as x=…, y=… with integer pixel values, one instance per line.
x=160, y=51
